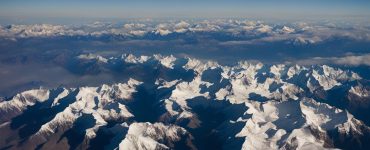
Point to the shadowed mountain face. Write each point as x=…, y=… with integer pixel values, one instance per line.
x=184, y=103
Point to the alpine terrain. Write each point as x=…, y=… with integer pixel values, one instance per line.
x=185, y=103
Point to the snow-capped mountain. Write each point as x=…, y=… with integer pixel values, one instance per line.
x=297, y=33
x=185, y=103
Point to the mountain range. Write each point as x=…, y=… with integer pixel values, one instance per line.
x=185, y=103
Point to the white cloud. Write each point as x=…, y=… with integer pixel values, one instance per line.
x=307, y=40
x=299, y=33
x=264, y=28
x=345, y=60
x=133, y=25
x=162, y=29
x=182, y=27
x=137, y=32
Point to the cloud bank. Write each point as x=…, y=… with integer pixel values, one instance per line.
x=346, y=60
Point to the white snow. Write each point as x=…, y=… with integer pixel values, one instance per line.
x=286, y=118
x=24, y=99
x=147, y=136
x=167, y=61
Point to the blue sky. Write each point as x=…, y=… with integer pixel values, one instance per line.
x=181, y=8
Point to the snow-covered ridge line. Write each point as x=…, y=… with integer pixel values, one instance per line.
x=298, y=33
x=322, y=73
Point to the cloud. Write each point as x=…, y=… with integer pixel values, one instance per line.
x=205, y=26
x=138, y=32
x=299, y=40
x=182, y=27
x=162, y=29
x=264, y=28
x=345, y=60
x=299, y=33
x=134, y=26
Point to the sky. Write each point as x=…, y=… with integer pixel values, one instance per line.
x=75, y=9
